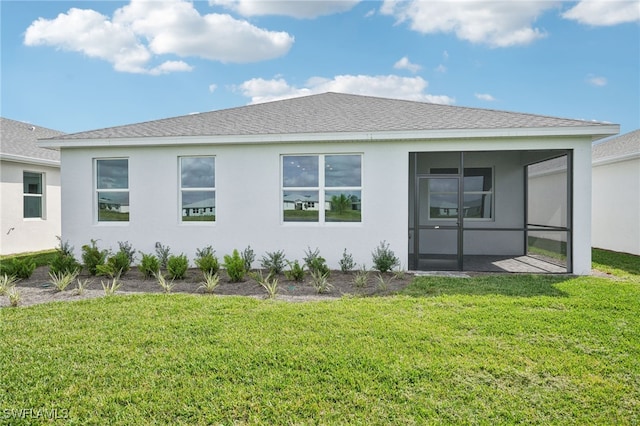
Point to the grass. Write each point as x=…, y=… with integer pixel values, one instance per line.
x=41, y=258
x=486, y=350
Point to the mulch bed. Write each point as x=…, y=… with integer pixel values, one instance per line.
x=38, y=288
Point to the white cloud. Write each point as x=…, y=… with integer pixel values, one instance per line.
x=597, y=81
x=497, y=24
x=391, y=86
x=441, y=68
x=301, y=9
x=405, y=64
x=485, y=97
x=604, y=12
x=141, y=31
x=212, y=88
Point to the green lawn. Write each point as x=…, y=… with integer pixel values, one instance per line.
x=488, y=350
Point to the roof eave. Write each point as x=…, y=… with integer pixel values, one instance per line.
x=595, y=132
x=30, y=160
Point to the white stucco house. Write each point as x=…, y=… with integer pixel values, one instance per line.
x=445, y=186
x=616, y=193
x=30, y=217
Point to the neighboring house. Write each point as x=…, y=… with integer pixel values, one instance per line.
x=29, y=189
x=444, y=186
x=616, y=194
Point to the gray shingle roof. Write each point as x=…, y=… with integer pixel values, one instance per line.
x=618, y=146
x=330, y=113
x=19, y=139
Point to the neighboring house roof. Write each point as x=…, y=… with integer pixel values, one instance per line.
x=207, y=203
x=18, y=142
x=342, y=115
x=617, y=148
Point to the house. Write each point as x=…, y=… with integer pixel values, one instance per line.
x=445, y=186
x=30, y=217
x=616, y=193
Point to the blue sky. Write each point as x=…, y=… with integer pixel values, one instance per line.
x=74, y=66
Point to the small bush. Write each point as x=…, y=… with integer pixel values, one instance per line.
x=234, y=266
x=81, y=286
x=116, y=265
x=63, y=261
x=361, y=278
x=295, y=272
x=207, y=261
x=210, y=283
x=110, y=287
x=248, y=256
x=62, y=280
x=6, y=283
x=162, y=282
x=315, y=262
x=149, y=265
x=321, y=282
x=125, y=247
x=273, y=262
x=163, y=253
x=384, y=259
x=382, y=283
x=92, y=257
x=14, y=296
x=20, y=268
x=177, y=266
x=347, y=263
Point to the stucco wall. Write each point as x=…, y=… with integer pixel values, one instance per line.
x=17, y=234
x=248, y=199
x=616, y=206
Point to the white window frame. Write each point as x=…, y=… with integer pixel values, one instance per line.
x=181, y=190
x=42, y=196
x=97, y=191
x=321, y=189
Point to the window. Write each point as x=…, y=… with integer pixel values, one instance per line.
x=198, y=189
x=112, y=190
x=478, y=194
x=33, y=195
x=322, y=188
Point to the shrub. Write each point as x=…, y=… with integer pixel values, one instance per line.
x=269, y=283
x=234, y=266
x=248, y=256
x=149, y=265
x=81, y=286
x=111, y=286
x=206, y=260
x=20, y=268
x=63, y=260
x=320, y=282
x=346, y=263
x=210, y=283
x=162, y=282
x=177, y=266
x=116, y=265
x=125, y=247
x=382, y=283
x=315, y=262
x=361, y=278
x=92, y=257
x=163, y=254
x=384, y=259
x=273, y=262
x=295, y=272
x=14, y=296
x=6, y=283
x=62, y=280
